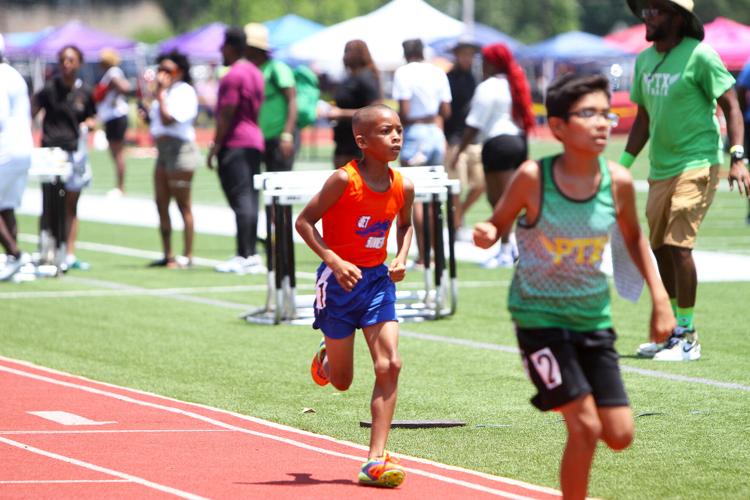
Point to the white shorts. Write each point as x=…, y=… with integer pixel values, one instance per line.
x=13, y=178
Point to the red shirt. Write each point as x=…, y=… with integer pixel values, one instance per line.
x=356, y=227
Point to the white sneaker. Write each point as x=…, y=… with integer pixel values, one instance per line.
x=683, y=345
x=241, y=265
x=649, y=349
x=13, y=265
x=115, y=193
x=254, y=265
x=234, y=265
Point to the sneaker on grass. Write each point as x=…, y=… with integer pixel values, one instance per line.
x=683, y=345
x=242, y=265
x=13, y=265
x=316, y=368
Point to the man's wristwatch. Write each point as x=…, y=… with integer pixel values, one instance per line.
x=737, y=152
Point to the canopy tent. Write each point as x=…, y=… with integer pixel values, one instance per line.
x=289, y=29
x=383, y=30
x=573, y=46
x=89, y=40
x=17, y=44
x=201, y=44
x=480, y=35
x=631, y=39
x=730, y=39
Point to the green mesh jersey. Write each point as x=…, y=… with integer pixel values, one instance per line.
x=558, y=281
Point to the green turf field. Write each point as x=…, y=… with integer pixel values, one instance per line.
x=176, y=333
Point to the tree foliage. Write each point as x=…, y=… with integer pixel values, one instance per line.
x=526, y=20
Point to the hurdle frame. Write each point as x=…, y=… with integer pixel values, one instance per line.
x=282, y=190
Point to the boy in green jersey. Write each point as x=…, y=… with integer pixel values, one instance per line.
x=559, y=297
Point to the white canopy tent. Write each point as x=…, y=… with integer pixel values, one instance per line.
x=383, y=30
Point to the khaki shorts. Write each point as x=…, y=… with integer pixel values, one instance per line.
x=469, y=168
x=176, y=154
x=676, y=206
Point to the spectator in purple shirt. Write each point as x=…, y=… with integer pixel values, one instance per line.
x=238, y=145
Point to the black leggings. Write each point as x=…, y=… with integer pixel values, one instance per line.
x=236, y=169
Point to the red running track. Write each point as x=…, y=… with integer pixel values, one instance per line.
x=141, y=445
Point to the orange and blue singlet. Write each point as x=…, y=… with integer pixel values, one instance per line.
x=356, y=227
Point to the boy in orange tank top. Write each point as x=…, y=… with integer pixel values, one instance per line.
x=355, y=289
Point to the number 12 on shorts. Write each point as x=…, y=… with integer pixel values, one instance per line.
x=546, y=367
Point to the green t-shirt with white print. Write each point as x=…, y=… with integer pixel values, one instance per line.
x=679, y=89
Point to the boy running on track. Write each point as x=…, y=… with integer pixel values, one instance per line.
x=559, y=297
x=354, y=288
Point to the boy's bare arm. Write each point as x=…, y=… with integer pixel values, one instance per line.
x=347, y=274
x=522, y=193
x=404, y=232
x=662, y=319
x=639, y=133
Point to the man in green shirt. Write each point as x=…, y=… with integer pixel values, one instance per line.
x=278, y=114
x=677, y=84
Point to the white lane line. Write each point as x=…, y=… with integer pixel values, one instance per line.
x=156, y=292
x=272, y=437
x=67, y=481
x=105, y=470
x=67, y=418
x=108, y=431
x=472, y=344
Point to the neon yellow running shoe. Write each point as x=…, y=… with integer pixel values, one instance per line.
x=383, y=472
x=316, y=368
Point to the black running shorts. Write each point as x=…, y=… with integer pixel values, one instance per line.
x=565, y=365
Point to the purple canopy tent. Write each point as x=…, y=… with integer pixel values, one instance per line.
x=89, y=40
x=202, y=44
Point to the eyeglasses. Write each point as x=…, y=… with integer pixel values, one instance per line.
x=654, y=11
x=589, y=113
x=171, y=71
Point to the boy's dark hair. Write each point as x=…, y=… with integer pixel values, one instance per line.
x=181, y=61
x=567, y=89
x=235, y=37
x=413, y=49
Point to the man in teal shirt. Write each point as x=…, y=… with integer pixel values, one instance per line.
x=278, y=114
x=677, y=84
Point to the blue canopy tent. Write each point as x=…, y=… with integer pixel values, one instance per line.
x=574, y=50
x=480, y=35
x=289, y=29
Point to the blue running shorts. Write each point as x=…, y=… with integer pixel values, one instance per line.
x=338, y=312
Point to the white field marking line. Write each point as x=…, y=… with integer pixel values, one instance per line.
x=272, y=437
x=67, y=481
x=186, y=298
x=67, y=418
x=158, y=292
x=105, y=470
x=108, y=431
x=135, y=252
x=514, y=350
x=166, y=292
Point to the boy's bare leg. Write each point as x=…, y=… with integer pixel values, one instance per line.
x=382, y=340
x=180, y=189
x=71, y=218
x=584, y=430
x=618, y=427
x=339, y=361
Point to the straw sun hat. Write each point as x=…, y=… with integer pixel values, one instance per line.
x=693, y=23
